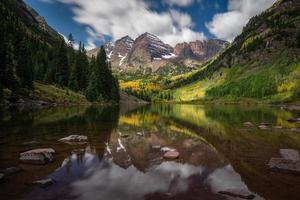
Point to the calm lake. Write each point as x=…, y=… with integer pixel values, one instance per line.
x=217, y=152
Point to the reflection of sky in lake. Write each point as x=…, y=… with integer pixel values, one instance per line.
x=86, y=177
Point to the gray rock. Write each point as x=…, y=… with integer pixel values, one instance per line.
x=243, y=194
x=139, y=134
x=11, y=170
x=74, y=139
x=290, y=154
x=171, y=154
x=278, y=127
x=293, y=120
x=248, y=124
x=30, y=142
x=157, y=146
x=295, y=130
x=37, y=156
x=44, y=182
x=284, y=165
x=265, y=124
x=263, y=127
x=166, y=149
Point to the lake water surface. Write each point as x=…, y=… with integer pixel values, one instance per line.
x=217, y=152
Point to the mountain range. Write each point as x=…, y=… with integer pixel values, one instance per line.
x=149, y=52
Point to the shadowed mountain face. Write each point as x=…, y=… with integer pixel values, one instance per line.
x=149, y=52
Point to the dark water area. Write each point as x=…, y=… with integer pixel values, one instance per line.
x=217, y=152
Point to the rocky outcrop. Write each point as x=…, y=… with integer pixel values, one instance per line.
x=199, y=50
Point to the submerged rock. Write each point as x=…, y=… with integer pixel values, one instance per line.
x=2, y=178
x=11, y=170
x=263, y=127
x=290, y=154
x=37, y=156
x=33, y=142
x=278, y=127
x=248, y=124
x=265, y=124
x=44, y=182
x=295, y=130
x=74, y=139
x=284, y=165
x=244, y=194
x=294, y=120
x=157, y=146
x=166, y=149
x=139, y=134
x=171, y=154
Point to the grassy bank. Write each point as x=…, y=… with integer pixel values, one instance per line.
x=46, y=93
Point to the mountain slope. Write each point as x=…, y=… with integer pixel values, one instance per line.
x=263, y=62
x=148, y=53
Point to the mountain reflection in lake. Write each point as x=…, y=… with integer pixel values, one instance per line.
x=217, y=152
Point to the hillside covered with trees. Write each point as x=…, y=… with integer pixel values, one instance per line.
x=31, y=51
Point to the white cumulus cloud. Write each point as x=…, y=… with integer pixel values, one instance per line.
x=117, y=18
x=230, y=24
x=181, y=3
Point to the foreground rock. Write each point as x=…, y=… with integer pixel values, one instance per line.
x=171, y=154
x=290, y=154
x=44, y=183
x=285, y=165
x=238, y=193
x=37, y=156
x=75, y=139
x=11, y=170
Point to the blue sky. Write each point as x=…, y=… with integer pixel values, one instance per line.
x=98, y=21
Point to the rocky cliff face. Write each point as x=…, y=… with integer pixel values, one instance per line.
x=149, y=52
x=146, y=49
x=199, y=50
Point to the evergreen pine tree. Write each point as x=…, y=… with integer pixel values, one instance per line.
x=62, y=67
x=94, y=91
x=24, y=65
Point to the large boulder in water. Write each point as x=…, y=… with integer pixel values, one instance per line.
x=74, y=139
x=290, y=154
x=37, y=156
x=284, y=165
